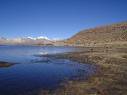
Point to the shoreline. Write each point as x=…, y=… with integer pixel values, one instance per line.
x=5, y=64
x=110, y=79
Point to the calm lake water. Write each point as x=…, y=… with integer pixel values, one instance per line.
x=32, y=73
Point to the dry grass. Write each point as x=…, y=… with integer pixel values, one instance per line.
x=111, y=78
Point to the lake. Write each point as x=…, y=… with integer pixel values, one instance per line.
x=33, y=73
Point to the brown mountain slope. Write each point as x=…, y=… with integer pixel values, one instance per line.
x=115, y=33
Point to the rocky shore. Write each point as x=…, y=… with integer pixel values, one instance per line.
x=5, y=64
x=111, y=78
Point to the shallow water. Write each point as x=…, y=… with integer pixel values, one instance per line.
x=32, y=73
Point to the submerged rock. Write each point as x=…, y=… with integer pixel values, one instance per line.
x=5, y=64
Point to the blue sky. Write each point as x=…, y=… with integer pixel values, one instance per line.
x=57, y=18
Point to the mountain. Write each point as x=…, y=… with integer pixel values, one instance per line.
x=3, y=40
x=114, y=34
x=27, y=41
x=109, y=34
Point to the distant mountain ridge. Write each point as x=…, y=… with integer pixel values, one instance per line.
x=115, y=33
x=104, y=35
x=27, y=41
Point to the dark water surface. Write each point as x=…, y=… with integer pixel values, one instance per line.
x=32, y=73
